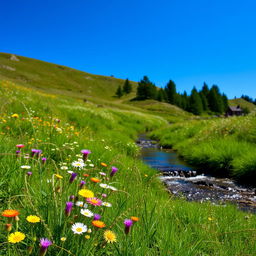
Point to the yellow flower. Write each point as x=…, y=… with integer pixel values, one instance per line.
x=16, y=237
x=58, y=176
x=15, y=115
x=87, y=237
x=210, y=219
x=63, y=239
x=33, y=219
x=86, y=193
x=110, y=236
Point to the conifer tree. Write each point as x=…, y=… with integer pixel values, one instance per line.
x=127, y=88
x=146, y=89
x=170, y=90
x=215, y=100
x=204, y=101
x=119, y=92
x=196, y=106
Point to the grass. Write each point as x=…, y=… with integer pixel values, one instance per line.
x=242, y=103
x=61, y=126
x=224, y=146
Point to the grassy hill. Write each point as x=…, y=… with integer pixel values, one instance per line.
x=58, y=79
x=242, y=103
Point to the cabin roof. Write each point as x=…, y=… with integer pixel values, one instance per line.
x=235, y=108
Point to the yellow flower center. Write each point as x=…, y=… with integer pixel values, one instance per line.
x=79, y=229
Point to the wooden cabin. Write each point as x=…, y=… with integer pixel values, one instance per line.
x=234, y=111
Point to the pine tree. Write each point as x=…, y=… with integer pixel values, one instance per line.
x=204, y=101
x=196, y=106
x=225, y=102
x=215, y=100
x=146, y=89
x=119, y=92
x=170, y=90
x=161, y=95
x=127, y=88
x=205, y=90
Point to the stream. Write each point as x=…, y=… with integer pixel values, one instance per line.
x=183, y=180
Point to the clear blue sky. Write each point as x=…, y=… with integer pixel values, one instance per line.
x=188, y=41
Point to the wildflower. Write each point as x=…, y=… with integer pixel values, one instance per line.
x=79, y=228
x=18, y=152
x=85, y=153
x=96, y=216
x=98, y=224
x=113, y=171
x=8, y=227
x=72, y=178
x=29, y=173
x=33, y=219
x=102, y=173
x=82, y=183
x=94, y=201
x=134, y=219
x=63, y=239
x=44, y=160
x=68, y=208
x=78, y=164
x=106, y=204
x=102, y=185
x=16, y=237
x=36, y=152
x=104, y=195
x=63, y=167
x=58, y=176
x=103, y=164
x=109, y=236
x=20, y=146
x=44, y=244
x=15, y=115
x=72, y=197
x=80, y=203
x=10, y=213
x=26, y=167
x=86, y=193
x=96, y=180
x=210, y=218
x=86, y=213
x=89, y=231
x=87, y=237
x=86, y=175
x=128, y=223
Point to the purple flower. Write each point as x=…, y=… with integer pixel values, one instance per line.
x=72, y=197
x=68, y=209
x=82, y=182
x=104, y=195
x=72, y=178
x=44, y=243
x=17, y=153
x=128, y=223
x=44, y=159
x=85, y=153
x=29, y=173
x=96, y=216
x=114, y=170
x=36, y=152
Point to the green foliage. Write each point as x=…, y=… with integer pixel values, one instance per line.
x=127, y=87
x=119, y=92
x=195, y=102
x=146, y=89
x=170, y=90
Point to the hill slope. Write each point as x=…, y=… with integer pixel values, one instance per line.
x=242, y=103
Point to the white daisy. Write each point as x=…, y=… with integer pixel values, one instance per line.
x=26, y=167
x=78, y=164
x=106, y=204
x=102, y=185
x=86, y=213
x=70, y=172
x=79, y=228
x=80, y=203
x=63, y=167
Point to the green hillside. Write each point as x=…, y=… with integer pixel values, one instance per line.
x=58, y=79
x=242, y=103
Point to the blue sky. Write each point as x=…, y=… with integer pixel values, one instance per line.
x=188, y=41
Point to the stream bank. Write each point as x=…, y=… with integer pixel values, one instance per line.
x=183, y=180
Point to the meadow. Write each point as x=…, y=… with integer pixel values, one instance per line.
x=72, y=183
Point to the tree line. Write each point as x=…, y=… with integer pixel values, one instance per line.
x=209, y=100
x=249, y=99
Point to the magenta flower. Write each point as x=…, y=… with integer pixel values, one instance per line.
x=72, y=197
x=128, y=223
x=94, y=201
x=114, y=170
x=44, y=160
x=82, y=183
x=85, y=153
x=29, y=173
x=96, y=216
x=104, y=195
x=20, y=146
x=44, y=244
x=17, y=153
x=36, y=152
x=72, y=178
x=68, y=209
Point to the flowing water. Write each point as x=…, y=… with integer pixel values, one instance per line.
x=184, y=181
